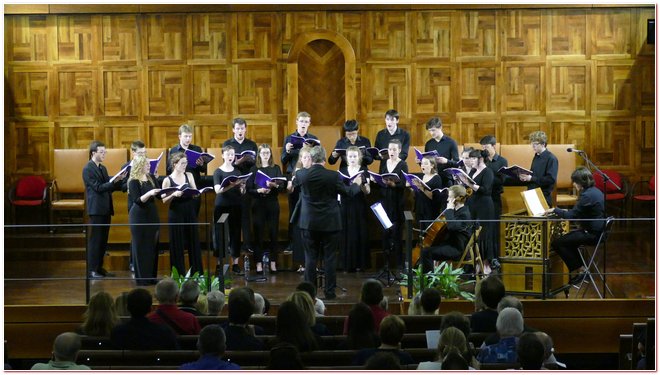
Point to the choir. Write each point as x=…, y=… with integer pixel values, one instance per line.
x=248, y=182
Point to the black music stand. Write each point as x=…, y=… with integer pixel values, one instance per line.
x=385, y=221
x=606, y=179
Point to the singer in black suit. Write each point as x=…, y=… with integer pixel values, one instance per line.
x=320, y=218
x=98, y=189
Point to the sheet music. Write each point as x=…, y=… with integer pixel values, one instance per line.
x=432, y=338
x=534, y=203
x=378, y=209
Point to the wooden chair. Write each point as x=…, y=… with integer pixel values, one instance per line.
x=67, y=191
x=472, y=255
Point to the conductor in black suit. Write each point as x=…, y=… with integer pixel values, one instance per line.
x=320, y=218
x=98, y=191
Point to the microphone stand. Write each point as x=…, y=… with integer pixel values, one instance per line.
x=606, y=179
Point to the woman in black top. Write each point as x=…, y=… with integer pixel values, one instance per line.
x=428, y=204
x=182, y=210
x=265, y=207
x=482, y=207
x=459, y=230
x=142, y=192
x=393, y=199
x=228, y=200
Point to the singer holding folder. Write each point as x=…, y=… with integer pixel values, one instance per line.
x=228, y=200
x=182, y=210
x=544, y=167
x=265, y=207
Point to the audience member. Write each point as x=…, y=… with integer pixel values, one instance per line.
x=308, y=287
x=293, y=328
x=641, y=348
x=259, y=304
x=211, y=345
x=305, y=304
x=188, y=297
x=241, y=335
x=139, y=333
x=202, y=305
x=509, y=326
x=425, y=303
x=100, y=317
x=65, y=353
x=383, y=361
x=216, y=301
x=120, y=304
x=181, y=322
x=508, y=301
x=530, y=352
x=450, y=338
x=361, y=333
x=285, y=356
x=266, y=306
x=549, y=360
x=372, y=295
x=456, y=319
x=391, y=332
x=488, y=291
x=454, y=361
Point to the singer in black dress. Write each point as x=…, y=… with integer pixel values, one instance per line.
x=429, y=205
x=228, y=200
x=304, y=161
x=393, y=200
x=354, y=242
x=481, y=206
x=182, y=211
x=142, y=192
x=265, y=207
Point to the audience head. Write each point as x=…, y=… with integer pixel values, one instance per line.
x=450, y=338
x=415, y=307
x=291, y=327
x=305, y=304
x=372, y=292
x=240, y=306
x=216, y=301
x=392, y=329
x=259, y=304
x=121, y=304
x=360, y=328
x=530, y=351
x=101, y=316
x=266, y=305
x=509, y=322
x=456, y=319
x=383, y=361
x=212, y=340
x=189, y=292
x=308, y=287
x=548, y=345
x=202, y=305
x=510, y=301
x=285, y=356
x=491, y=291
x=430, y=301
x=139, y=302
x=66, y=347
x=166, y=291
x=454, y=361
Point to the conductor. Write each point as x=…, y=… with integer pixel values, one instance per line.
x=320, y=218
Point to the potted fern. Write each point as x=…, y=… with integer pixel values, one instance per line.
x=444, y=277
x=202, y=280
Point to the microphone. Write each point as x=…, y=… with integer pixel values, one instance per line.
x=574, y=150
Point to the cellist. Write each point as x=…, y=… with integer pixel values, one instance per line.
x=458, y=230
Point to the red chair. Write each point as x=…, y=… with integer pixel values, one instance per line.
x=29, y=191
x=613, y=194
x=647, y=196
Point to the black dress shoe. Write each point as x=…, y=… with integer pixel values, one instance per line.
x=105, y=273
x=95, y=275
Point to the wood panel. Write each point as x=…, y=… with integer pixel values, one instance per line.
x=572, y=71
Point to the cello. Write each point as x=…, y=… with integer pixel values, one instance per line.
x=434, y=233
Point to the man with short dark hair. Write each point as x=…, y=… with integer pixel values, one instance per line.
x=530, y=352
x=139, y=333
x=65, y=352
x=181, y=322
x=98, y=194
x=444, y=145
x=240, y=335
x=185, y=143
x=430, y=301
x=391, y=333
x=211, y=345
x=320, y=218
x=351, y=138
x=392, y=131
x=490, y=292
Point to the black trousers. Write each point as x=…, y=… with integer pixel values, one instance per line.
x=567, y=246
x=314, y=243
x=266, y=213
x=440, y=252
x=97, y=242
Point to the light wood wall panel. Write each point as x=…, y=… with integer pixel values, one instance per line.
x=585, y=75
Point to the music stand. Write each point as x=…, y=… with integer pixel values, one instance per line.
x=385, y=221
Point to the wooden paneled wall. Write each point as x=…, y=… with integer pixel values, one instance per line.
x=584, y=75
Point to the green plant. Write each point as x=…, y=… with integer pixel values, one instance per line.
x=202, y=280
x=444, y=277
